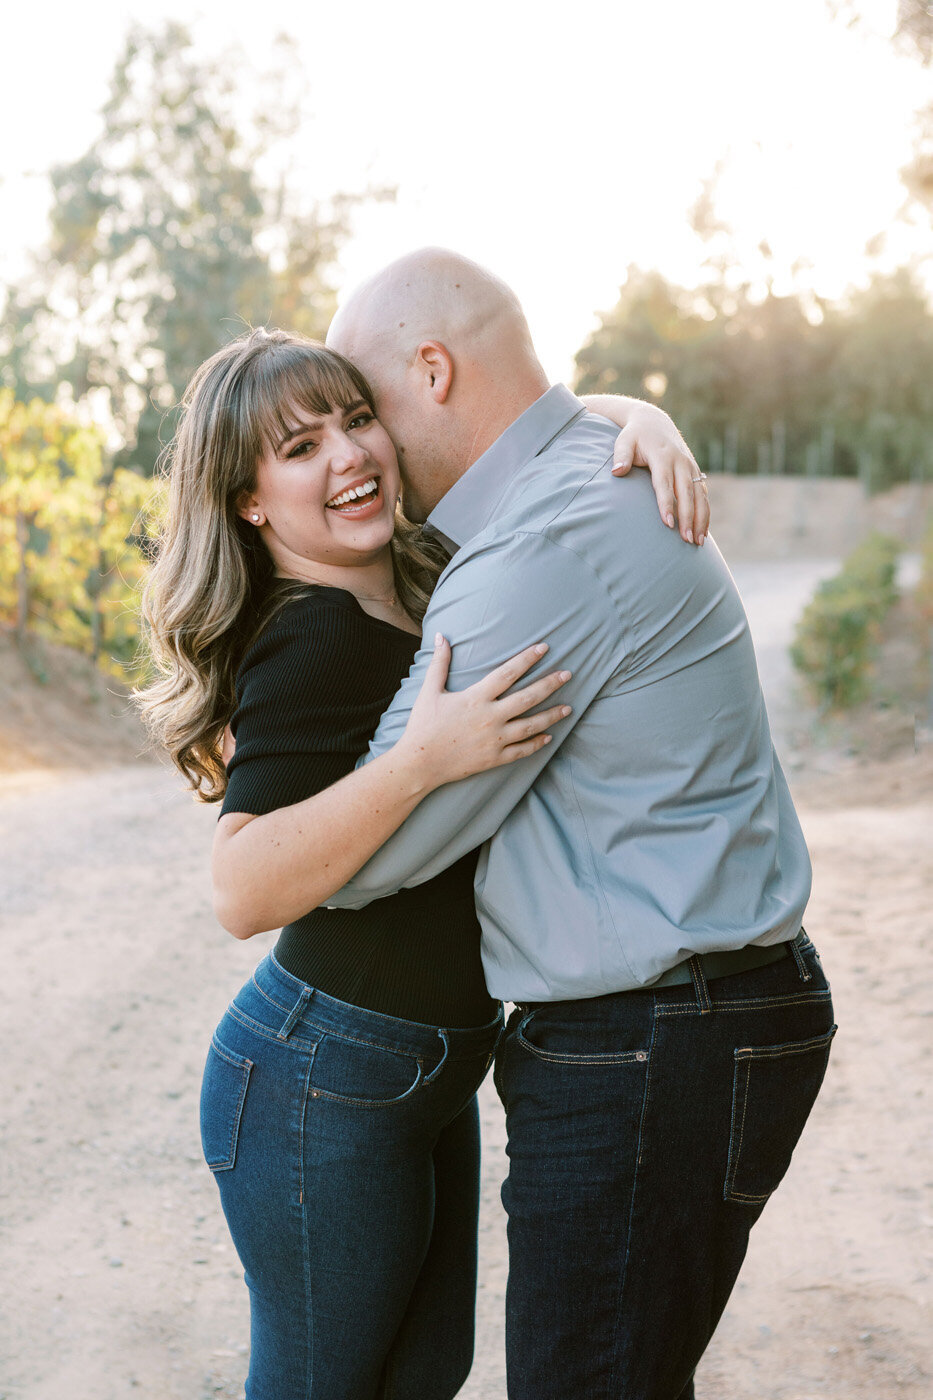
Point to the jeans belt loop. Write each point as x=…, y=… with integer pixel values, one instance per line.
x=293, y=1015
x=437, y=1068
x=698, y=976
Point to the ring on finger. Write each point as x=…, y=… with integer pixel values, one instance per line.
x=701, y=477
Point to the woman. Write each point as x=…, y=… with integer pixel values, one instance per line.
x=338, y=1103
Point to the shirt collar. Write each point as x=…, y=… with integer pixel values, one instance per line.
x=469, y=505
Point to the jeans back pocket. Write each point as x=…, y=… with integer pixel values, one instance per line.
x=774, y=1089
x=223, y=1094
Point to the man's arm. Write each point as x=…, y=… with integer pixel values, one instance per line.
x=490, y=605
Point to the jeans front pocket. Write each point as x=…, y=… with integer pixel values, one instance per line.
x=363, y=1072
x=774, y=1089
x=562, y=1040
x=223, y=1094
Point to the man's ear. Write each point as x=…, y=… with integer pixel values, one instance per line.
x=435, y=363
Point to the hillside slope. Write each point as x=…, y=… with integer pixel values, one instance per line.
x=58, y=711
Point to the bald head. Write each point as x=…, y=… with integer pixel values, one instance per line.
x=446, y=346
x=432, y=294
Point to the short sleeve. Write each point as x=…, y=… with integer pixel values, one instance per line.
x=302, y=716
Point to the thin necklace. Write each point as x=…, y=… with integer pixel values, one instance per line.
x=393, y=602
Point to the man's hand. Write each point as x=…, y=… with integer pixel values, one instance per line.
x=649, y=438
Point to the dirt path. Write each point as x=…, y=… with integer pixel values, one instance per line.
x=119, y=1278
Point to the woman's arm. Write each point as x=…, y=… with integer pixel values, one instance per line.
x=268, y=870
x=649, y=438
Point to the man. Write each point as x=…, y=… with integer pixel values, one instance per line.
x=644, y=877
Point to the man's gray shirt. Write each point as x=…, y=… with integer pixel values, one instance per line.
x=658, y=823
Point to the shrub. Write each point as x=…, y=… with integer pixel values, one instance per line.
x=839, y=628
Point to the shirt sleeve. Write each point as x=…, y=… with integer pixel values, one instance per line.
x=490, y=605
x=299, y=724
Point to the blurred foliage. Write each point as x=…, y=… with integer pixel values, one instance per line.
x=915, y=27
x=777, y=383
x=169, y=234
x=839, y=630
x=924, y=594
x=913, y=36
x=923, y=602
x=69, y=564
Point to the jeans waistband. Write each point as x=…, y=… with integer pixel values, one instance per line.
x=304, y=1006
x=727, y=964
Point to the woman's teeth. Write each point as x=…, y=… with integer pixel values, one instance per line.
x=356, y=493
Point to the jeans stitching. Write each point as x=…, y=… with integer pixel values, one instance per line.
x=306, y=1245
x=370, y=1103
x=244, y=1067
x=745, y=1056
x=701, y=990
x=265, y=995
x=294, y=1042
x=238, y=1061
x=734, y=1156
x=790, y=1047
x=301, y=1130
x=631, y=1211
x=797, y=954
x=741, y=1003
x=623, y=1057
x=396, y=1049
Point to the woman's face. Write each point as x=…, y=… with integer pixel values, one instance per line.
x=327, y=492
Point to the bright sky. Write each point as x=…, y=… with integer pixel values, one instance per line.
x=555, y=142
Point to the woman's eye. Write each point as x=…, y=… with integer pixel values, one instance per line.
x=360, y=420
x=301, y=449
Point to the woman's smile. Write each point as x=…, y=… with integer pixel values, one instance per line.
x=360, y=500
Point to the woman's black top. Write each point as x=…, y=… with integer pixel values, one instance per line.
x=309, y=695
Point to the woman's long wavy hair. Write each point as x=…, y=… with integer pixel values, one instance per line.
x=212, y=587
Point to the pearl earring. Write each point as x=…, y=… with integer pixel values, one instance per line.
x=256, y=519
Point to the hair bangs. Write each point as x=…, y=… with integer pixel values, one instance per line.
x=290, y=380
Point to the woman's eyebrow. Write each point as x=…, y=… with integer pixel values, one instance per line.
x=316, y=424
x=297, y=431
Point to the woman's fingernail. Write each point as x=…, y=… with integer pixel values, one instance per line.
x=701, y=540
x=669, y=521
x=566, y=711
x=688, y=536
x=547, y=738
x=541, y=648
x=565, y=675
x=438, y=639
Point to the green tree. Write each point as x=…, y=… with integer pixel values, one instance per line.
x=774, y=384
x=69, y=567
x=882, y=378
x=164, y=242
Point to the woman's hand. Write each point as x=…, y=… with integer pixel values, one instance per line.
x=649, y=438
x=452, y=734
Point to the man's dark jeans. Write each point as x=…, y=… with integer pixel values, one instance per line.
x=646, y=1132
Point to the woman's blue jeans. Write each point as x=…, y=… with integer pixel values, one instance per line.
x=345, y=1145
